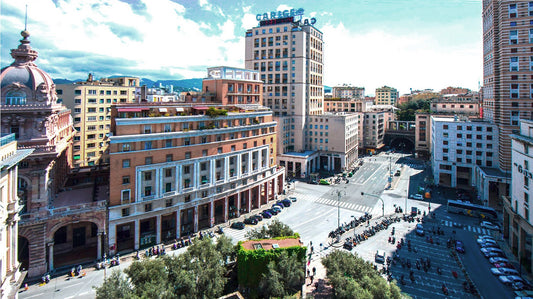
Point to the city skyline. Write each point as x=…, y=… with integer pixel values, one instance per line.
x=406, y=45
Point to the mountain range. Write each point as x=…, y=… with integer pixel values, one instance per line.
x=179, y=85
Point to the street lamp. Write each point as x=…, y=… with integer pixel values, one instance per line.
x=339, y=193
x=378, y=197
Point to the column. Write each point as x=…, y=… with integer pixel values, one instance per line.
x=249, y=208
x=50, y=256
x=212, y=212
x=267, y=191
x=99, y=246
x=212, y=171
x=137, y=234
x=260, y=160
x=226, y=209
x=179, y=181
x=238, y=204
x=250, y=162
x=158, y=229
x=178, y=224
x=239, y=166
x=226, y=169
x=195, y=219
x=258, y=195
x=158, y=182
x=196, y=175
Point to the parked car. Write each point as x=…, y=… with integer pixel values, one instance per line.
x=250, y=220
x=503, y=271
x=483, y=239
x=489, y=225
x=293, y=198
x=498, y=259
x=380, y=256
x=417, y=196
x=259, y=217
x=324, y=182
x=419, y=230
x=510, y=279
x=273, y=211
x=276, y=208
x=278, y=204
x=398, y=172
x=266, y=214
x=237, y=225
x=503, y=265
x=489, y=244
x=286, y=202
x=459, y=246
x=494, y=253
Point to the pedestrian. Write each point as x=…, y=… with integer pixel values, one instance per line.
x=312, y=278
x=312, y=250
x=314, y=271
x=307, y=272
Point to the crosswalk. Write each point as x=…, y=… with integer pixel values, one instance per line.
x=474, y=229
x=333, y=202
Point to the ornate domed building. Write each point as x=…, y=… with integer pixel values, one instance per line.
x=30, y=109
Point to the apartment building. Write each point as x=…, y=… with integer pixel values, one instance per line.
x=347, y=105
x=517, y=225
x=386, y=96
x=507, y=66
x=178, y=168
x=459, y=145
x=90, y=104
x=374, y=126
x=10, y=271
x=346, y=91
x=454, y=90
x=288, y=53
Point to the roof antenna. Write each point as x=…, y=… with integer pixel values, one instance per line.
x=26, y=18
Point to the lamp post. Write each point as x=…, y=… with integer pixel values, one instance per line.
x=378, y=197
x=390, y=172
x=339, y=193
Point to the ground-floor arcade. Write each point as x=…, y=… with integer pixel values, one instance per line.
x=165, y=224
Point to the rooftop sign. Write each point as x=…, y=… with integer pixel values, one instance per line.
x=280, y=14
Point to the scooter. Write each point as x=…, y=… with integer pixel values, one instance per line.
x=445, y=289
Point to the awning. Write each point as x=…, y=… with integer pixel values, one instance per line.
x=179, y=110
x=200, y=107
x=162, y=109
x=131, y=109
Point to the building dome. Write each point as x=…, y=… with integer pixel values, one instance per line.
x=23, y=82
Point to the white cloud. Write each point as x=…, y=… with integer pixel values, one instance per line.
x=205, y=5
x=376, y=58
x=249, y=19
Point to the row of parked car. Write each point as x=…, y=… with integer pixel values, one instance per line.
x=274, y=210
x=506, y=272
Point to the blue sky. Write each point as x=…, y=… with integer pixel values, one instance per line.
x=401, y=43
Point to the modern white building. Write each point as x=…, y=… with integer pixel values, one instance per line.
x=458, y=147
x=517, y=225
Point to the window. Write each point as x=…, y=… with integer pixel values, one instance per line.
x=168, y=128
x=187, y=155
x=169, y=158
x=125, y=180
x=147, y=145
x=147, y=190
x=125, y=212
x=148, y=176
x=148, y=207
x=168, y=187
x=204, y=153
x=126, y=163
x=513, y=64
x=513, y=37
x=168, y=142
x=125, y=195
x=148, y=160
x=126, y=147
x=147, y=129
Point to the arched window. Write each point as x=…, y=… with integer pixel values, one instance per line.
x=16, y=98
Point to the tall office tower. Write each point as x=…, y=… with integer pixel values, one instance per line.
x=507, y=66
x=288, y=55
x=386, y=95
x=90, y=104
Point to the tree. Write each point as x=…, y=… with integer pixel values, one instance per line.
x=114, y=286
x=283, y=277
x=352, y=277
x=276, y=229
x=149, y=279
x=407, y=111
x=226, y=249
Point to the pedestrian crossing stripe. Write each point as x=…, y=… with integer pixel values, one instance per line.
x=474, y=229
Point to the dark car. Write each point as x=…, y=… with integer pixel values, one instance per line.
x=258, y=217
x=348, y=245
x=237, y=225
x=279, y=204
x=272, y=211
x=250, y=220
x=459, y=246
x=266, y=214
x=286, y=202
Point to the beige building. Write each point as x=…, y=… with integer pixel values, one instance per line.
x=347, y=105
x=374, y=126
x=465, y=104
x=386, y=96
x=289, y=57
x=90, y=102
x=10, y=272
x=346, y=91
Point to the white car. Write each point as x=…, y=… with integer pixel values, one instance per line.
x=503, y=271
x=510, y=279
x=417, y=196
x=498, y=259
x=489, y=225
